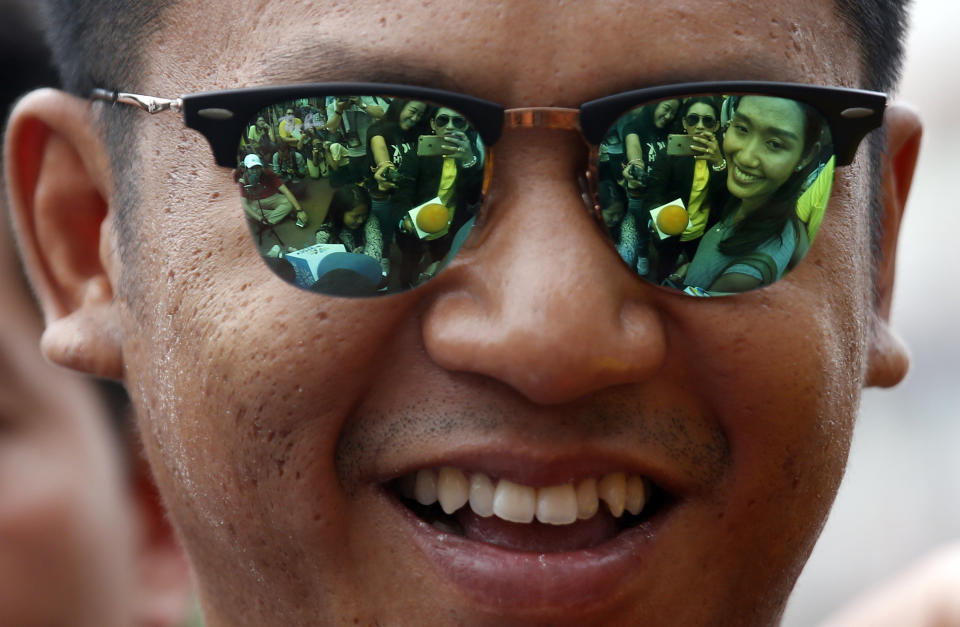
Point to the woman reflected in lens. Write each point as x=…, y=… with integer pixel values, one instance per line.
x=350, y=223
x=769, y=147
x=391, y=151
x=261, y=138
x=693, y=171
x=644, y=136
x=644, y=133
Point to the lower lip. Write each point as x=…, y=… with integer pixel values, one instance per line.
x=558, y=582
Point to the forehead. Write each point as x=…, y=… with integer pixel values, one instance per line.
x=518, y=53
x=446, y=111
x=701, y=108
x=767, y=108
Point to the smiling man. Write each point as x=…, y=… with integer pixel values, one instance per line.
x=536, y=435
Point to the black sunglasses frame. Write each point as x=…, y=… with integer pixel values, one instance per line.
x=221, y=116
x=458, y=122
x=697, y=118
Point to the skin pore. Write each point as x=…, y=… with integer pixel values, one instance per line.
x=276, y=452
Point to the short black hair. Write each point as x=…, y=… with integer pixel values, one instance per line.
x=879, y=27
x=98, y=43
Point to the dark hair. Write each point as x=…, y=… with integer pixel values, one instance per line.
x=99, y=43
x=711, y=101
x=781, y=208
x=647, y=125
x=344, y=199
x=392, y=116
x=395, y=107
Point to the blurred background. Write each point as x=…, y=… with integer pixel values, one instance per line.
x=901, y=495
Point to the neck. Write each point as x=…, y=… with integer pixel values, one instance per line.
x=747, y=207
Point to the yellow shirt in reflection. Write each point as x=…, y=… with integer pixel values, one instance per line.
x=448, y=177
x=698, y=208
x=813, y=201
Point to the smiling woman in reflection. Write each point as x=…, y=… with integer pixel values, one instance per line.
x=350, y=223
x=769, y=146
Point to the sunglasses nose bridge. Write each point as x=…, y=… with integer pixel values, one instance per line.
x=559, y=118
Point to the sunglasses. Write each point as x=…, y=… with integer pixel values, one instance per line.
x=692, y=119
x=739, y=215
x=456, y=121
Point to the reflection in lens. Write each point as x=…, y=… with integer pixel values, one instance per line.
x=718, y=193
x=359, y=195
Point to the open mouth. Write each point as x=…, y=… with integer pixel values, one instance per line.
x=567, y=517
x=742, y=177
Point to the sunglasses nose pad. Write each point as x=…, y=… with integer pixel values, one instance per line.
x=587, y=183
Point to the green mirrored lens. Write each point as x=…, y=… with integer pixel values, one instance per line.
x=359, y=195
x=718, y=193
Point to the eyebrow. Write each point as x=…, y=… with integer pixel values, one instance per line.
x=770, y=129
x=323, y=58
x=327, y=60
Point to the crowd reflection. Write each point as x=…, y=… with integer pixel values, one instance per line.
x=715, y=194
x=708, y=194
x=326, y=181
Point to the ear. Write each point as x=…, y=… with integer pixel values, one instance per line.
x=888, y=359
x=808, y=158
x=165, y=577
x=59, y=180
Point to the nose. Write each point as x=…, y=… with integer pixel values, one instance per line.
x=747, y=155
x=540, y=300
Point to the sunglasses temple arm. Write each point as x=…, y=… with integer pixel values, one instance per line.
x=150, y=104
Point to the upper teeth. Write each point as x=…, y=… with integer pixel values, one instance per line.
x=555, y=505
x=744, y=176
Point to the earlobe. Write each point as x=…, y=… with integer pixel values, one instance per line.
x=888, y=358
x=58, y=176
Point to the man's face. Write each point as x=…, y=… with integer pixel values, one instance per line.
x=701, y=113
x=281, y=423
x=447, y=121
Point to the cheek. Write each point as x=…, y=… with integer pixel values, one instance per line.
x=779, y=168
x=781, y=370
x=730, y=145
x=243, y=384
